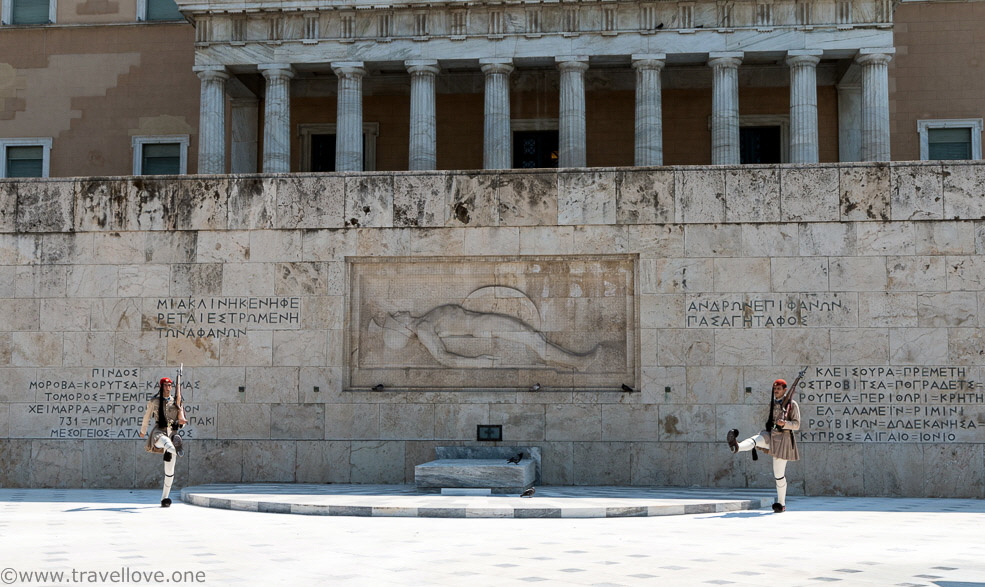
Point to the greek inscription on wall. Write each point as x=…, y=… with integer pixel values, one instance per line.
x=929, y=404
x=101, y=403
x=769, y=310
x=228, y=317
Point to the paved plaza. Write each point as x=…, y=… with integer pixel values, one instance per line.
x=123, y=537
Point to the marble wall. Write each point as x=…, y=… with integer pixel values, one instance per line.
x=869, y=274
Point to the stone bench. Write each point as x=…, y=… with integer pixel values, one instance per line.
x=479, y=470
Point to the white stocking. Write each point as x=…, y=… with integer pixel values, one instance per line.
x=165, y=443
x=780, y=473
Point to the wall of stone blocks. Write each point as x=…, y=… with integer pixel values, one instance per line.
x=876, y=271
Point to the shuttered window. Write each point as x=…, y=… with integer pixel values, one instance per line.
x=26, y=161
x=162, y=10
x=30, y=11
x=161, y=159
x=949, y=143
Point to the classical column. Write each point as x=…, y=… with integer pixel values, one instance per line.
x=423, y=120
x=496, y=127
x=212, y=119
x=649, y=109
x=803, y=105
x=875, y=103
x=571, y=122
x=849, y=121
x=277, y=118
x=725, y=108
x=243, y=144
x=349, y=120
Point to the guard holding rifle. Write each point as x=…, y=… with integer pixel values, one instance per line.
x=777, y=439
x=167, y=412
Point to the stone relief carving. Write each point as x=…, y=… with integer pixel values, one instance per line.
x=483, y=323
x=453, y=320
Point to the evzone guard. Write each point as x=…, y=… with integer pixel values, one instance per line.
x=777, y=439
x=167, y=412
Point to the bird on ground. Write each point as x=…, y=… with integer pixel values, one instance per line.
x=535, y=387
x=515, y=460
x=378, y=387
x=528, y=492
x=627, y=388
x=660, y=26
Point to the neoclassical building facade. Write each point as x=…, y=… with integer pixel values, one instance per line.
x=260, y=54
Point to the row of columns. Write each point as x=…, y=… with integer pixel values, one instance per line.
x=571, y=124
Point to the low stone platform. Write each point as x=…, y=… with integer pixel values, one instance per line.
x=407, y=501
x=497, y=475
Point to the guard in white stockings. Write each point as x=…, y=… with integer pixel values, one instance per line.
x=163, y=409
x=777, y=440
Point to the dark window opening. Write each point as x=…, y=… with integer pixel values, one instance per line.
x=533, y=149
x=760, y=144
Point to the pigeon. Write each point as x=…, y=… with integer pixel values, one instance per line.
x=378, y=387
x=660, y=26
x=515, y=460
x=528, y=492
x=535, y=387
x=626, y=388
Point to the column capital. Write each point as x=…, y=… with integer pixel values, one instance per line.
x=651, y=61
x=276, y=70
x=577, y=63
x=211, y=72
x=880, y=56
x=496, y=65
x=809, y=58
x=426, y=66
x=349, y=69
x=725, y=58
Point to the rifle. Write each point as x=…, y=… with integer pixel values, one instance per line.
x=182, y=419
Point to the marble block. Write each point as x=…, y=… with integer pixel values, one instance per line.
x=495, y=474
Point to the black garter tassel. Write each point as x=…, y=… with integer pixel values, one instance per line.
x=755, y=455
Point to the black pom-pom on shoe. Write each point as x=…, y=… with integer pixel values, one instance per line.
x=733, y=444
x=166, y=502
x=779, y=508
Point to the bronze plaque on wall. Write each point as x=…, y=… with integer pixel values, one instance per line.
x=452, y=323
